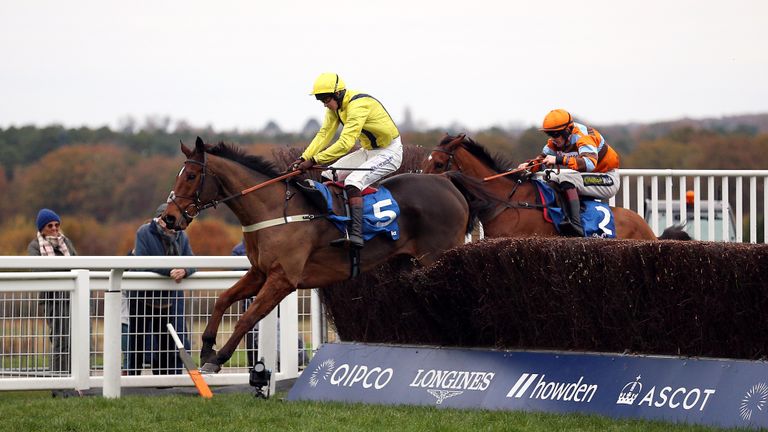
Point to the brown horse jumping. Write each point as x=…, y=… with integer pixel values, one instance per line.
x=515, y=216
x=434, y=217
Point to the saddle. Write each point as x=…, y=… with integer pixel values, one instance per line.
x=318, y=198
x=596, y=216
x=380, y=210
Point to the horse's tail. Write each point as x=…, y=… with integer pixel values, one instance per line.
x=481, y=203
x=675, y=232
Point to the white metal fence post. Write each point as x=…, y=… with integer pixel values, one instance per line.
x=112, y=335
x=668, y=198
x=654, y=204
x=765, y=210
x=316, y=314
x=753, y=209
x=710, y=207
x=726, y=210
x=268, y=344
x=739, y=209
x=80, y=335
x=289, y=336
x=697, y=206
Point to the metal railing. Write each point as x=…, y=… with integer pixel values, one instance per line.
x=94, y=322
x=725, y=187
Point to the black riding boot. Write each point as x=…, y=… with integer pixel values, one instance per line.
x=573, y=221
x=355, y=230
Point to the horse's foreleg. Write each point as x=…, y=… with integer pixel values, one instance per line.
x=275, y=289
x=247, y=286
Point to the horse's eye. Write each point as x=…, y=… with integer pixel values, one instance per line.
x=191, y=176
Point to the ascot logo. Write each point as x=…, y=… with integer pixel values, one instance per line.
x=630, y=392
x=665, y=397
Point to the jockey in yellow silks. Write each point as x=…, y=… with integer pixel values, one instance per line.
x=362, y=118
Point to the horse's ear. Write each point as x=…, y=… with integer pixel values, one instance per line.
x=199, y=145
x=186, y=150
x=456, y=141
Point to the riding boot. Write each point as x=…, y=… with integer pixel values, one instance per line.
x=573, y=222
x=355, y=230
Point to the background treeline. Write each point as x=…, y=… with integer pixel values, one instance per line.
x=105, y=183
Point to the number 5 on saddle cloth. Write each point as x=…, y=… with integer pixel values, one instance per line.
x=380, y=210
x=596, y=216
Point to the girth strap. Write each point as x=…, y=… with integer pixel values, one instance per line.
x=280, y=221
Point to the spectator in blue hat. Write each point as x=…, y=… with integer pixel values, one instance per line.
x=51, y=241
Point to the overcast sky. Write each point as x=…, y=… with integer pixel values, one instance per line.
x=239, y=64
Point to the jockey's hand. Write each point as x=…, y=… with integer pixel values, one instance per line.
x=531, y=164
x=295, y=164
x=549, y=160
x=307, y=164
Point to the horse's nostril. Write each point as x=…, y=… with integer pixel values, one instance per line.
x=170, y=220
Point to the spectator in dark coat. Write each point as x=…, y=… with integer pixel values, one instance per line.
x=150, y=344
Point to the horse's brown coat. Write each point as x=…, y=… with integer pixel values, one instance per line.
x=434, y=217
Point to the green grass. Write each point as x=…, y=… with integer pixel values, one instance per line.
x=37, y=411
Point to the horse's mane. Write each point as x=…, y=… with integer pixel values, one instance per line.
x=495, y=162
x=237, y=154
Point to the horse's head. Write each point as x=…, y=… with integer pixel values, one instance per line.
x=191, y=193
x=441, y=159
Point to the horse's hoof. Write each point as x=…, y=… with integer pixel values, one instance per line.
x=210, y=368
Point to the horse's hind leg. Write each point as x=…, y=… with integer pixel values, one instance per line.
x=247, y=286
x=275, y=289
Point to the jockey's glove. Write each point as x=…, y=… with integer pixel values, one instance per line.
x=307, y=164
x=295, y=164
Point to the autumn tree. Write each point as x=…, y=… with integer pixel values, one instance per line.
x=213, y=237
x=75, y=180
x=145, y=186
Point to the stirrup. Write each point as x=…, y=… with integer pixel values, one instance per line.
x=348, y=242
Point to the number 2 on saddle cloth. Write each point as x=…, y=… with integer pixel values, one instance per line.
x=596, y=216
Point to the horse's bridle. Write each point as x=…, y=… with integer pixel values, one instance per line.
x=450, y=159
x=196, y=206
x=508, y=203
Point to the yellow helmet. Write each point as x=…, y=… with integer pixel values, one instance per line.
x=556, y=120
x=328, y=83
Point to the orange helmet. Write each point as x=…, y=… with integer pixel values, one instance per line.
x=556, y=120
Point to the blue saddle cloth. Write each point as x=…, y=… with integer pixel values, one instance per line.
x=596, y=217
x=380, y=213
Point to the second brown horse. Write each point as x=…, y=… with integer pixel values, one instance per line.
x=514, y=215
